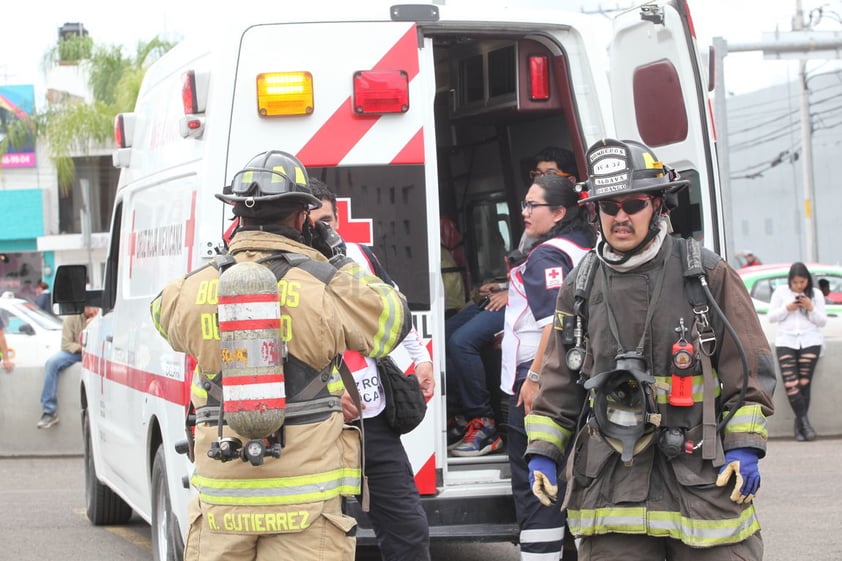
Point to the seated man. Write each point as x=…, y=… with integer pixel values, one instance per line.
x=70, y=353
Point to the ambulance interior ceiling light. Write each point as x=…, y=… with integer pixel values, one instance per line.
x=381, y=91
x=539, y=78
x=284, y=93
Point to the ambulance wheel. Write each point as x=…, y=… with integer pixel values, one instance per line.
x=167, y=544
x=104, y=506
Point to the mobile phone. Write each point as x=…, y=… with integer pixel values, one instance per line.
x=798, y=297
x=484, y=302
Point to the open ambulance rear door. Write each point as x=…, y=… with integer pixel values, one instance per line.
x=659, y=96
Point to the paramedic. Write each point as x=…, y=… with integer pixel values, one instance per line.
x=288, y=507
x=563, y=235
x=396, y=514
x=471, y=424
x=665, y=466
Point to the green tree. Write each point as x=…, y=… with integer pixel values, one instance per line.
x=70, y=125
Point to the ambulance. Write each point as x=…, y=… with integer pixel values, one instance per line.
x=411, y=113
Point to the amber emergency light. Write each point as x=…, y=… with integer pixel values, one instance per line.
x=284, y=93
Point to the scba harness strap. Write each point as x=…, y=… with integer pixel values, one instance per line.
x=703, y=332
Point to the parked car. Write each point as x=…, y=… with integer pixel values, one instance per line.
x=31, y=333
x=762, y=280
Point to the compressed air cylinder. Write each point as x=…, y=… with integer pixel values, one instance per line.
x=254, y=399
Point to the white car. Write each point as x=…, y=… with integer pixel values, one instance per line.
x=31, y=333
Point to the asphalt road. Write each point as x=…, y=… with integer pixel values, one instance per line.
x=43, y=512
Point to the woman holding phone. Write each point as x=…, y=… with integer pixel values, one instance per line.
x=798, y=309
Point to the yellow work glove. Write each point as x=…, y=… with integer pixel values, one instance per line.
x=742, y=463
x=543, y=479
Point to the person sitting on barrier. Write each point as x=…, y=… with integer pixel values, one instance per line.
x=8, y=365
x=70, y=353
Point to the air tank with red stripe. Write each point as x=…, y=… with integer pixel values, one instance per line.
x=254, y=399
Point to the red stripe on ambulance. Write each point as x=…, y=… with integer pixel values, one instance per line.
x=344, y=128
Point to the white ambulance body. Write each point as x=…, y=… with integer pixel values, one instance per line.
x=415, y=112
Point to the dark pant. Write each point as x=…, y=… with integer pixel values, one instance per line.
x=797, y=369
x=541, y=527
x=466, y=334
x=623, y=547
x=396, y=514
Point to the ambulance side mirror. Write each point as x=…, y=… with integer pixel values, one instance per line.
x=70, y=290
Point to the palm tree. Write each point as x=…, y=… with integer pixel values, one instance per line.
x=71, y=125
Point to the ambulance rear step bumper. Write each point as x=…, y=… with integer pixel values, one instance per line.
x=463, y=519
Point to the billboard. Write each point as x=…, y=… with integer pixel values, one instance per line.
x=17, y=103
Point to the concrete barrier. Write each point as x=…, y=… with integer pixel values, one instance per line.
x=20, y=404
x=826, y=396
x=20, y=409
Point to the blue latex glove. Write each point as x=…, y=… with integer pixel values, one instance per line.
x=741, y=462
x=543, y=479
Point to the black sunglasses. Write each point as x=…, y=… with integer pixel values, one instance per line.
x=629, y=206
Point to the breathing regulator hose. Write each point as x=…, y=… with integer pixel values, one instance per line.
x=743, y=357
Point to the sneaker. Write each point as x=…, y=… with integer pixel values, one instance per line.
x=456, y=427
x=480, y=439
x=47, y=420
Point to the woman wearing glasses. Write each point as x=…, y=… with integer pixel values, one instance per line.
x=553, y=217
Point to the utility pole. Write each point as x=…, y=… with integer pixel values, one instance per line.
x=810, y=231
x=801, y=44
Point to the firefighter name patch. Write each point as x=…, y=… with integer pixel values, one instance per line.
x=553, y=277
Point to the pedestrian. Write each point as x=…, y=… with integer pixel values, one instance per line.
x=750, y=259
x=288, y=506
x=472, y=424
x=659, y=404
x=70, y=354
x=563, y=235
x=8, y=365
x=399, y=521
x=43, y=298
x=824, y=286
x=798, y=309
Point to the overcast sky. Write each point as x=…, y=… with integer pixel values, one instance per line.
x=29, y=30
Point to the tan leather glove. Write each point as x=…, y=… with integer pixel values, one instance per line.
x=542, y=475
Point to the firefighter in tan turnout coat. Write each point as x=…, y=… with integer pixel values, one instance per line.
x=285, y=507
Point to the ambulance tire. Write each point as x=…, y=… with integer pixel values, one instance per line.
x=167, y=543
x=104, y=506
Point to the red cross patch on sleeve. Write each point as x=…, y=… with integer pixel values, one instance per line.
x=553, y=277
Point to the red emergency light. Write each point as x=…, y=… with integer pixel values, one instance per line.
x=381, y=91
x=119, y=131
x=539, y=78
x=189, y=99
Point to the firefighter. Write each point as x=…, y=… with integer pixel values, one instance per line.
x=664, y=464
x=285, y=507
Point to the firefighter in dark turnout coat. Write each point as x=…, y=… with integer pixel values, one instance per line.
x=664, y=463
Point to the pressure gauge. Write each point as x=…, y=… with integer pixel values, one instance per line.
x=575, y=358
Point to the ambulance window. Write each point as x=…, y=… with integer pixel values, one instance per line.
x=387, y=209
x=489, y=238
x=687, y=217
x=471, y=85
x=109, y=288
x=659, y=104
